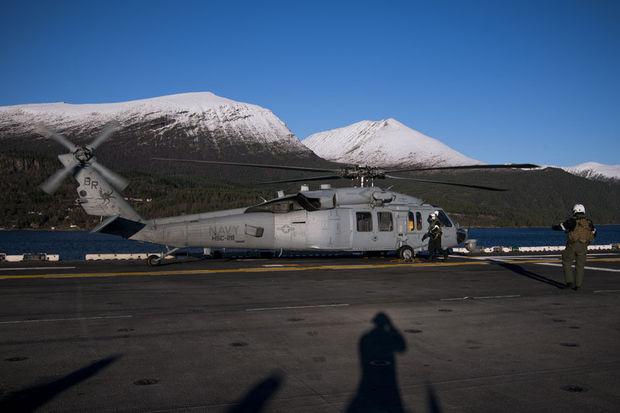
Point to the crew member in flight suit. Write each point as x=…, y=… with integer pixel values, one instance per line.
x=580, y=232
x=434, y=234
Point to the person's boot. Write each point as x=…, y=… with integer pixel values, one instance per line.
x=570, y=286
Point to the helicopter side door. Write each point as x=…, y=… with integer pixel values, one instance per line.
x=363, y=230
x=386, y=230
x=329, y=230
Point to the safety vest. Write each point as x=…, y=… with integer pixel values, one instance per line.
x=582, y=231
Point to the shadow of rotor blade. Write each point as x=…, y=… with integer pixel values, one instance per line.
x=529, y=274
x=256, y=399
x=30, y=399
x=432, y=401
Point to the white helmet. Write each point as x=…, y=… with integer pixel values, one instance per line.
x=579, y=209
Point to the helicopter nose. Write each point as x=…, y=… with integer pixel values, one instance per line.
x=461, y=235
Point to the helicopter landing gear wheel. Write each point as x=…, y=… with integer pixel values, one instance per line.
x=406, y=253
x=153, y=260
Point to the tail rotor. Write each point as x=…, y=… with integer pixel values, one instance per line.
x=80, y=157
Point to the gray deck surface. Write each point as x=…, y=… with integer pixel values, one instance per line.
x=298, y=336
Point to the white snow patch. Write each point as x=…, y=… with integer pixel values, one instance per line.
x=594, y=170
x=196, y=112
x=383, y=143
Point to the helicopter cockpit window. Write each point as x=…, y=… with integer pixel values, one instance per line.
x=418, y=218
x=385, y=221
x=277, y=207
x=443, y=218
x=364, y=221
x=410, y=222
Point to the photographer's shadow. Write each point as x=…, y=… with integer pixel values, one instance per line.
x=378, y=389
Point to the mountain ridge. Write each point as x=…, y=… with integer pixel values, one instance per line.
x=383, y=143
x=594, y=170
x=197, y=125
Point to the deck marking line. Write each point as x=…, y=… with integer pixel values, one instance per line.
x=606, y=291
x=48, y=320
x=241, y=270
x=516, y=257
x=538, y=261
x=280, y=265
x=489, y=297
x=492, y=297
x=297, y=307
x=36, y=268
x=551, y=264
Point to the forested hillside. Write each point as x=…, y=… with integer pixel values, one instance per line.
x=534, y=198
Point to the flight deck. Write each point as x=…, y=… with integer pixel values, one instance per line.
x=310, y=335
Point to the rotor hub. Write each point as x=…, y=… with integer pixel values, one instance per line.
x=83, y=154
x=358, y=172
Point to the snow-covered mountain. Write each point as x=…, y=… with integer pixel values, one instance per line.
x=383, y=143
x=200, y=125
x=594, y=170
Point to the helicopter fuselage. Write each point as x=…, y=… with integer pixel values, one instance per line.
x=343, y=219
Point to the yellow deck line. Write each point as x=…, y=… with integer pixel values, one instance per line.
x=240, y=270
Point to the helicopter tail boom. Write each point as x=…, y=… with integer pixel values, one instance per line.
x=100, y=198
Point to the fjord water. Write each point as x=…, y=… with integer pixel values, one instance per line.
x=73, y=245
x=534, y=237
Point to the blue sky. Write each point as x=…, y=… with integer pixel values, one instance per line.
x=500, y=81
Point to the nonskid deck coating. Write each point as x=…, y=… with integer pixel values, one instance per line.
x=478, y=337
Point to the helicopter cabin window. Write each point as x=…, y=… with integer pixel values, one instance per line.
x=418, y=218
x=443, y=218
x=385, y=221
x=364, y=221
x=410, y=222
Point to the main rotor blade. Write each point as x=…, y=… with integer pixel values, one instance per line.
x=48, y=133
x=491, y=166
x=487, y=188
x=251, y=165
x=310, y=178
x=108, y=130
x=113, y=178
x=52, y=183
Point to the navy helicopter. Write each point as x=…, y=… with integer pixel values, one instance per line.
x=359, y=218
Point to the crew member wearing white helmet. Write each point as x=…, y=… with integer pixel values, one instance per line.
x=580, y=232
x=434, y=234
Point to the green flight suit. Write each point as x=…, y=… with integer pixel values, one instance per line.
x=580, y=232
x=574, y=252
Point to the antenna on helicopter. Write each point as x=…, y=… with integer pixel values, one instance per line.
x=363, y=173
x=80, y=157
